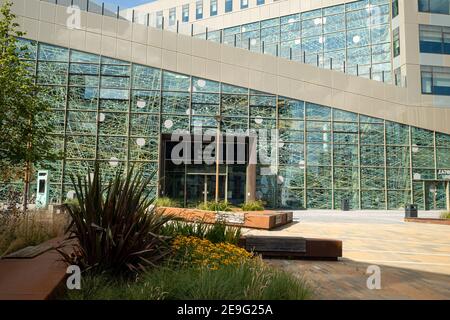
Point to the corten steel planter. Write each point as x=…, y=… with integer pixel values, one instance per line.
x=265, y=220
x=429, y=221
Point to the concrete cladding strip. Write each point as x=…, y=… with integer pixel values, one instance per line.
x=124, y=40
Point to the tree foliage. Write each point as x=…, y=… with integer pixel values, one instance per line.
x=24, y=116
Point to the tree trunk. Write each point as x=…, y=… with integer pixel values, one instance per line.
x=26, y=188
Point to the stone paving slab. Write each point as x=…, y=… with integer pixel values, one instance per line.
x=346, y=280
x=414, y=258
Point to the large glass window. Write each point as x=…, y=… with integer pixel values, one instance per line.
x=394, y=8
x=199, y=10
x=435, y=80
x=434, y=39
x=213, y=8
x=114, y=112
x=358, y=33
x=172, y=16
x=396, y=42
x=228, y=5
x=244, y=4
x=435, y=6
x=159, y=19
x=185, y=13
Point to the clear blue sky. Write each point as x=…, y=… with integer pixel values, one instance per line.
x=125, y=3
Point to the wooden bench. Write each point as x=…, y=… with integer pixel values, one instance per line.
x=293, y=247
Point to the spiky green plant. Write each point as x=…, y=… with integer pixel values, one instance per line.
x=115, y=227
x=216, y=233
x=167, y=202
x=253, y=206
x=215, y=206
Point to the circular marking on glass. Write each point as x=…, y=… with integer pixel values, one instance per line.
x=280, y=179
x=71, y=194
x=415, y=148
x=356, y=39
x=201, y=83
x=253, y=42
x=281, y=143
x=168, y=124
x=113, y=162
x=321, y=39
x=141, y=104
x=317, y=21
x=259, y=120
x=297, y=41
x=141, y=142
x=301, y=163
x=243, y=29
x=188, y=111
x=101, y=117
x=291, y=20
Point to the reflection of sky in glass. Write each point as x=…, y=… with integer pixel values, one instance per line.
x=114, y=112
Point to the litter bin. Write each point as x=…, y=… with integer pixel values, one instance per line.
x=411, y=211
x=345, y=205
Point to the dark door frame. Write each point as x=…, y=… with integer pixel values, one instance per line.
x=250, y=187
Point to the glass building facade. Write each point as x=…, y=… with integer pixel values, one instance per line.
x=115, y=112
x=353, y=37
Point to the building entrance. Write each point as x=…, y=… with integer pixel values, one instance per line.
x=193, y=181
x=436, y=195
x=202, y=188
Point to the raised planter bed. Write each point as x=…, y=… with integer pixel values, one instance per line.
x=429, y=221
x=265, y=220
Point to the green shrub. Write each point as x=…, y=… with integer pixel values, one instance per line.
x=71, y=202
x=115, y=228
x=445, y=215
x=216, y=233
x=188, y=229
x=253, y=206
x=248, y=281
x=167, y=202
x=220, y=232
x=214, y=206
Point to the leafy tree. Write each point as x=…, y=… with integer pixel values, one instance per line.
x=24, y=116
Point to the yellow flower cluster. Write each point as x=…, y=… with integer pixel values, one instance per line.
x=204, y=253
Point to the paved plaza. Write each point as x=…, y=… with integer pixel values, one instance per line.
x=414, y=258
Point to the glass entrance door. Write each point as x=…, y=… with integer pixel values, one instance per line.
x=202, y=188
x=195, y=189
x=211, y=188
x=435, y=195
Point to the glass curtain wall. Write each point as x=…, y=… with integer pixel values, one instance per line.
x=114, y=112
x=358, y=33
